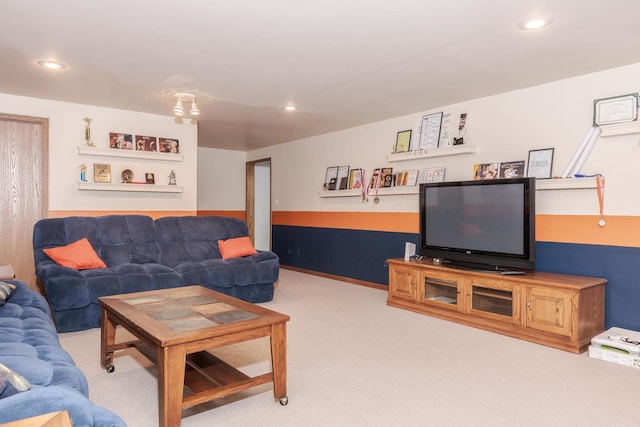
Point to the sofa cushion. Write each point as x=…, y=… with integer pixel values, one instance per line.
x=6, y=289
x=236, y=247
x=78, y=255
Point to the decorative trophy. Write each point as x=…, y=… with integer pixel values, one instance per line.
x=87, y=133
x=83, y=172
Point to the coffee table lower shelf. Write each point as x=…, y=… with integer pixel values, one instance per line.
x=206, y=376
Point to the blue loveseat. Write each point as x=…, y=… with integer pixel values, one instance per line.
x=145, y=254
x=29, y=347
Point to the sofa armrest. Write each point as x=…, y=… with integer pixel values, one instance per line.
x=43, y=400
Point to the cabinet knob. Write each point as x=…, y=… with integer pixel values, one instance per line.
x=529, y=304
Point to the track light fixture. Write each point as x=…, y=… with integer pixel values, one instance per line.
x=178, y=110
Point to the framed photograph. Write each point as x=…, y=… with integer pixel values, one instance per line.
x=486, y=170
x=149, y=178
x=121, y=141
x=540, y=163
x=617, y=109
x=433, y=175
x=169, y=145
x=101, y=172
x=146, y=143
x=402, y=141
x=355, y=178
x=512, y=169
x=430, y=131
x=330, y=178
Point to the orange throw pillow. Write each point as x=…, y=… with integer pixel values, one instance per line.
x=236, y=248
x=78, y=255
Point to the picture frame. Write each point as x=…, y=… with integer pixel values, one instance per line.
x=121, y=141
x=430, y=131
x=342, y=179
x=513, y=169
x=101, y=172
x=386, y=177
x=430, y=175
x=355, y=178
x=617, y=109
x=403, y=140
x=146, y=143
x=540, y=163
x=330, y=178
x=483, y=171
x=149, y=178
x=169, y=145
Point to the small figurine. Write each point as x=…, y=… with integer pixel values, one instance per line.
x=87, y=133
x=83, y=172
x=172, y=178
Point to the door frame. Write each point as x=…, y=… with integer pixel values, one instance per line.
x=250, y=205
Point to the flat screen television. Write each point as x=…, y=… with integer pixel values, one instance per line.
x=479, y=225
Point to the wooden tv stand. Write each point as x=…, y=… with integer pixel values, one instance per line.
x=556, y=310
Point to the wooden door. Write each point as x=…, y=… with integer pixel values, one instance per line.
x=24, y=194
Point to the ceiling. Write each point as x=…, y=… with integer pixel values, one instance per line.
x=343, y=63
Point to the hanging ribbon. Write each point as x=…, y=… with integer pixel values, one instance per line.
x=363, y=185
x=600, y=188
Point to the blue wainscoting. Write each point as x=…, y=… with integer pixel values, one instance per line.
x=362, y=255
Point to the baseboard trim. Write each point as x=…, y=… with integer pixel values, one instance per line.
x=335, y=277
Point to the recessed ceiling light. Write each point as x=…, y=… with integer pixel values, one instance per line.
x=290, y=108
x=534, y=23
x=52, y=65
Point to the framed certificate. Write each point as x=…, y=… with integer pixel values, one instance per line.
x=618, y=109
x=540, y=163
x=402, y=141
x=430, y=131
x=101, y=172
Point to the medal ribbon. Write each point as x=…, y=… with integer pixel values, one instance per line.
x=600, y=188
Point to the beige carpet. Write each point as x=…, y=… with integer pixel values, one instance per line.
x=354, y=361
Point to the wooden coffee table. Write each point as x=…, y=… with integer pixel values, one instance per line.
x=175, y=328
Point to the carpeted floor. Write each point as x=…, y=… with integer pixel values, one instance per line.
x=354, y=361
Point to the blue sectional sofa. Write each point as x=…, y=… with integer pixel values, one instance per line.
x=145, y=254
x=29, y=347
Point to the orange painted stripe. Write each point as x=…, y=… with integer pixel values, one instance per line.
x=152, y=214
x=584, y=229
x=396, y=222
x=233, y=214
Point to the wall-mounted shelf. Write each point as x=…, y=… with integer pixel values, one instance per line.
x=620, y=129
x=147, y=188
x=565, y=183
x=541, y=185
x=391, y=191
x=454, y=150
x=112, y=152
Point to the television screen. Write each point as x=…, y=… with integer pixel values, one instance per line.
x=488, y=222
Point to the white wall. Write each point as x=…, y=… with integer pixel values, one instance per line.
x=504, y=127
x=66, y=133
x=221, y=179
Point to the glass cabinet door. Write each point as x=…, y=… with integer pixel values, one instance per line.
x=440, y=291
x=495, y=300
